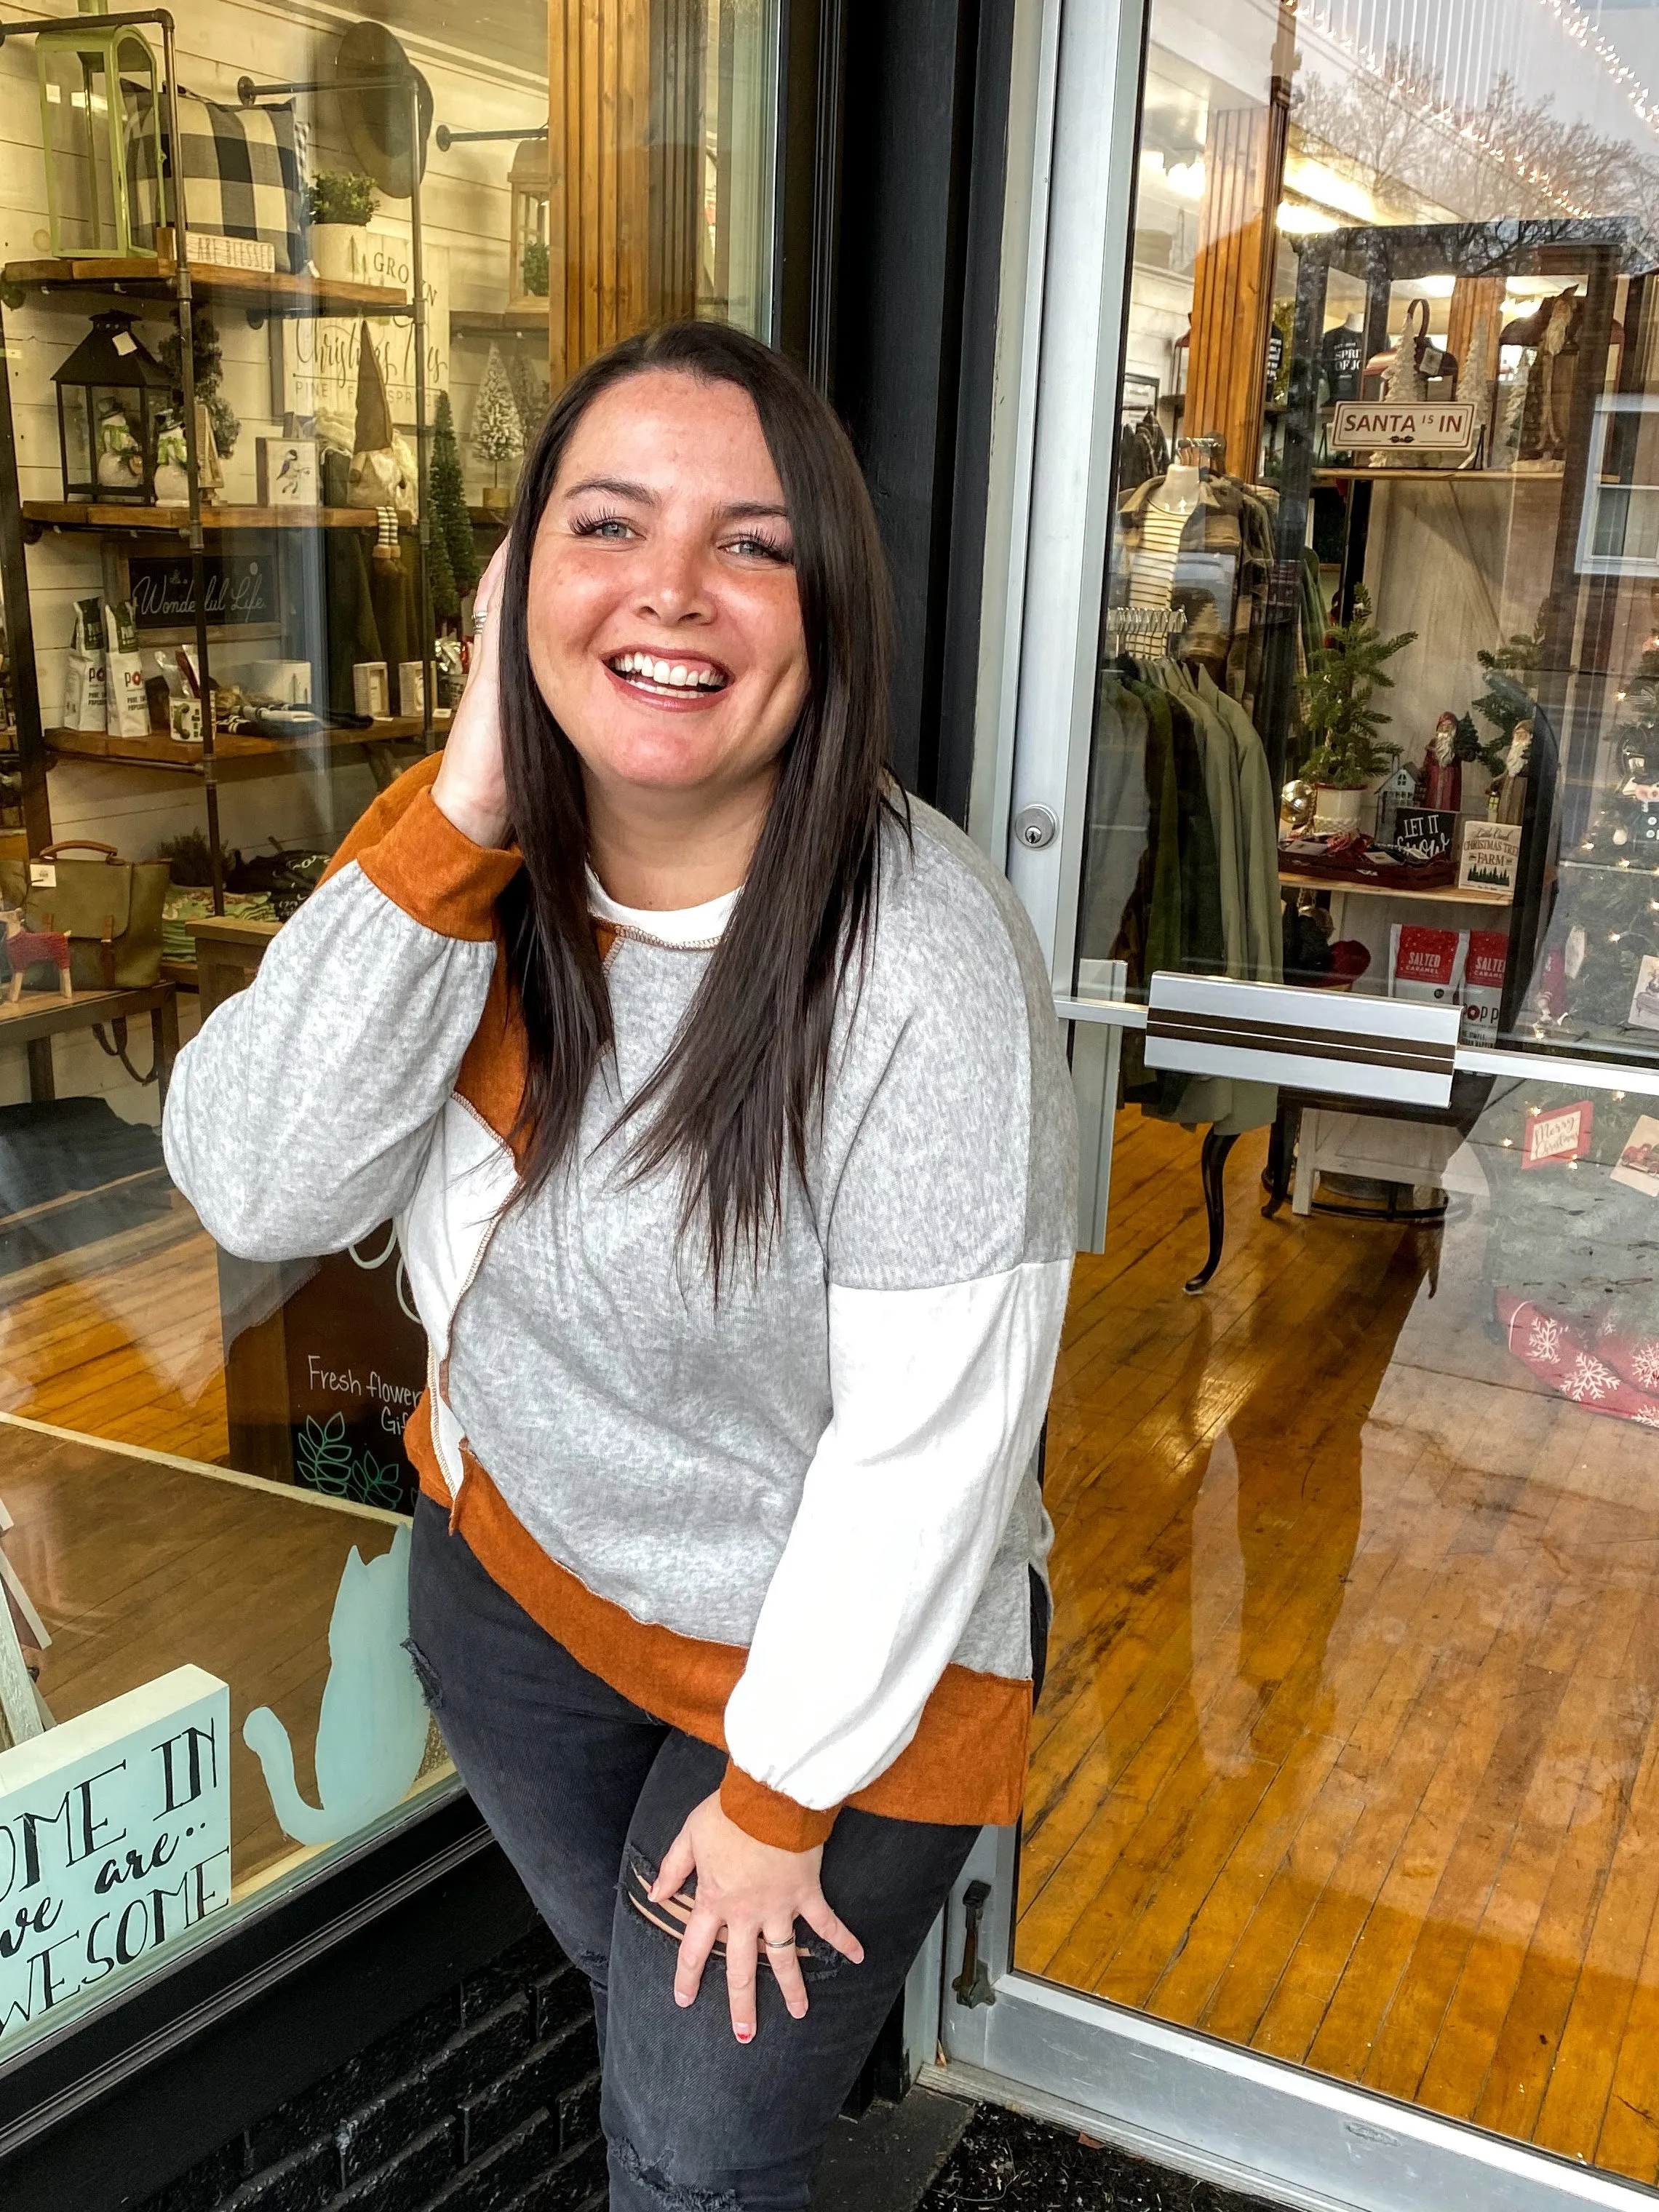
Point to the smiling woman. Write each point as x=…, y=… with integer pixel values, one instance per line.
x=716, y=1091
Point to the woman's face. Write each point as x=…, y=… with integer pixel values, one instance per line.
x=665, y=627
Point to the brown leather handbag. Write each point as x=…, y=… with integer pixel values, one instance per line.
x=109, y=908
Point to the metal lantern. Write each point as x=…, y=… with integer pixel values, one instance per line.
x=528, y=275
x=100, y=127
x=112, y=396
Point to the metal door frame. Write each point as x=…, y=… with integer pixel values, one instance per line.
x=1174, y=2094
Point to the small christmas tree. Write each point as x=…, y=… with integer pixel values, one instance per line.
x=1605, y=923
x=1508, y=698
x=497, y=430
x=447, y=493
x=531, y=395
x=440, y=575
x=1338, y=719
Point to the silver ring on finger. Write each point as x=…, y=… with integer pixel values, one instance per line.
x=779, y=1943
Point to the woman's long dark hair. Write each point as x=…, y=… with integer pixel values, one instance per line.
x=745, y=1077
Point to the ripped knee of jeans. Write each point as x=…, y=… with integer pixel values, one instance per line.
x=674, y=1913
x=672, y=2196
x=426, y=1674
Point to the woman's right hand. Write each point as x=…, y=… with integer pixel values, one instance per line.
x=472, y=785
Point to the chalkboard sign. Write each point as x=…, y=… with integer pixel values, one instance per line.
x=1424, y=833
x=355, y=1358
x=241, y=591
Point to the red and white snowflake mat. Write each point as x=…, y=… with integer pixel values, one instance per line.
x=1600, y=1369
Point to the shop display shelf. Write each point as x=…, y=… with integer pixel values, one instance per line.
x=119, y=518
x=1450, y=895
x=498, y=322
x=256, y=292
x=237, y=747
x=1550, y=474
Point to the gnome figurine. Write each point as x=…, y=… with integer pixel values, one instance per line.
x=383, y=472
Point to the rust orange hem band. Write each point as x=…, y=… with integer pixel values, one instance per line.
x=964, y=1766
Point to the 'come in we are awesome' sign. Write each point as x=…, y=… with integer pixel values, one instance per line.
x=114, y=1838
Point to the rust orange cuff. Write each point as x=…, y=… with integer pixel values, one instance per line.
x=770, y=1817
x=436, y=874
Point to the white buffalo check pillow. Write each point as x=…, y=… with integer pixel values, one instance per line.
x=241, y=169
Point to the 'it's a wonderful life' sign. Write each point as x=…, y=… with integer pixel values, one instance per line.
x=240, y=590
x=114, y=1838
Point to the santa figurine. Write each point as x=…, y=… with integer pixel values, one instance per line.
x=1440, y=779
x=1507, y=799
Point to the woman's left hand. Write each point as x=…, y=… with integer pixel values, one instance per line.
x=753, y=1893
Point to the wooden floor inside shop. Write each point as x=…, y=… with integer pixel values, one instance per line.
x=121, y=1338
x=138, y=1566
x=1349, y=1750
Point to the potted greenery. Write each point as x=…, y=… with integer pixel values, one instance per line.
x=1338, y=719
x=341, y=202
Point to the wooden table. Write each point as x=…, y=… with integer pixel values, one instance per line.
x=39, y=1016
x=228, y=950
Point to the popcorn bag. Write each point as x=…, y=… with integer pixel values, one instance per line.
x=1427, y=964
x=126, y=704
x=1483, y=985
x=85, y=679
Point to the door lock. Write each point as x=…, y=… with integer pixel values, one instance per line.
x=1035, y=826
x=972, y=1985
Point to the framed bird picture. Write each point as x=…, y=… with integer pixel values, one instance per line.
x=286, y=472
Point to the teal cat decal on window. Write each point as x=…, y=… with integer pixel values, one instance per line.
x=372, y=1730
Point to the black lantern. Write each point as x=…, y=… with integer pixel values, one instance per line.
x=112, y=396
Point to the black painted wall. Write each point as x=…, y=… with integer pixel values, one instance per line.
x=921, y=171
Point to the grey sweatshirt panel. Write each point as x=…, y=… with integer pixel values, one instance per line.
x=651, y=1442
x=298, y=1118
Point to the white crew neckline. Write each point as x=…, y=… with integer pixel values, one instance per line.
x=677, y=926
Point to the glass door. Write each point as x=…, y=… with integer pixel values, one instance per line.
x=1333, y=653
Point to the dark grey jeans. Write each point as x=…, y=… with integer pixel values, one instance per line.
x=584, y=1792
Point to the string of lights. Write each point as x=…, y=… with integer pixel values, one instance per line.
x=1466, y=123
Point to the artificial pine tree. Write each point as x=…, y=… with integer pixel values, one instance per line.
x=1607, y=918
x=1508, y=698
x=207, y=360
x=447, y=493
x=1339, y=723
x=497, y=430
x=531, y=395
x=441, y=574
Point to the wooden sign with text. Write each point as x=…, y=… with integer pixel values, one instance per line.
x=241, y=588
x=115, y=1840
x=1425, y=425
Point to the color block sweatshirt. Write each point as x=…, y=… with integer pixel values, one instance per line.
x=798, y=1522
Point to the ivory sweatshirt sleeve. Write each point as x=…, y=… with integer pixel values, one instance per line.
x=950, y=1241
x=299, y=1117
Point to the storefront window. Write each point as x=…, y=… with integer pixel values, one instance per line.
x=1346, y=1750
x=228, y=623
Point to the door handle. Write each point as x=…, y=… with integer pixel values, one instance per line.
x=972, y=1985
x=1392, y=1049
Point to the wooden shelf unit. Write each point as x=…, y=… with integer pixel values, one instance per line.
x=1390, y=891
x=155, y=751
x=256, y=292
x=498, y=322
x=1334, y=475
x=118, y=517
